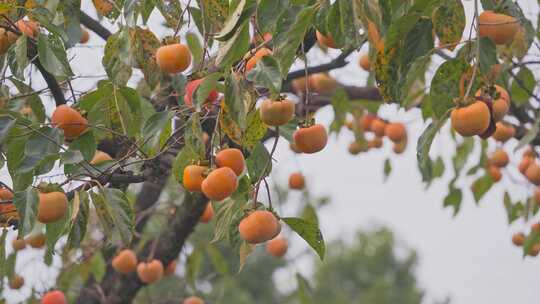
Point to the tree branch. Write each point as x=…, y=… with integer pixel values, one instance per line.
x=95, y=26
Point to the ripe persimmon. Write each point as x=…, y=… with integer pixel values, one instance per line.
x=534, y=251
x=150, y=272
x=294, y=147
x=518, y=239
x=85, y=36
x=54, y=297
x=366, y=121
x=193, y=300
x=250, y=64
x=190, y=90
x=533, y=173
x=471, y=120
x=276, y=113
x=500, y=102
x=18, y=244
x=537, y=195
x=375, y=143
x=52, y=206
x=495, y=173
x=219, y=184
x=7, y=38
x=193, y=177
x=232, y=158
x=356, y=147
x=104, y=7
x=498, y=27
x=173, y=58
x=259, y=226
x=326, y=40
x=208, y=213
x=16, y=282
x=378, y=126
x=5, y=194
x=296, y=181
x=100, y=157
x=395, y=131
x=37, y=240
x=529, y=152
x=364, y=62
x=28, y=27
x=526, y=161
x=171, y=268
x=399, y=147
x=322, y=83
x=70, y=121
x=257, y=39
x=277, y=247
x=311, y=139
x=499, y=158
x=299, y=84
x=125, y=261
x=503, y=132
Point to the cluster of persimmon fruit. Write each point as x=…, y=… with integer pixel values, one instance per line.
x=492, y=102
x=378, y=128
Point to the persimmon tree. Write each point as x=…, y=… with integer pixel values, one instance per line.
x=196, y=103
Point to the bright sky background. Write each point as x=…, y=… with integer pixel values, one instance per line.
x=468, y=257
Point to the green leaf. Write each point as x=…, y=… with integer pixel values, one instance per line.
x=257, y=161
x=266, y=74
x=117, y=58
x=234, y=48
x=18, y=57
x=54, y=231
x=217, y=259
x=449, y=23
x=445, y=85
x=387, y=168
x=418, y=43
x=6, y=124
x=481, y=186
x=289, y=35
x=530, y=135
x=532, y=239
x=424, y=145
x=154, y=126
x=195, y=47
x=71, y=157
x=522, y=86
x=513, y=211
x=32, y=100
x=41, y=150
x=79, y=219
x=266, y=12
x=488, y=58
x=309, y=231
x=245, y=250
x=115, y=214
x=52, y=55
x=453, y=199
x=239, y=16
x=234, y=102
x=341, y=106
x=208, y=85
x=194, y=265
x=26, y=203
x=305, y=293
x=85, y=144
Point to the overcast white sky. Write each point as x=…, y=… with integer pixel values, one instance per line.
x=469, y=257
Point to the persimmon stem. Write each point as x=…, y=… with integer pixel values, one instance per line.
x=475, y=68
x=274, y=146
